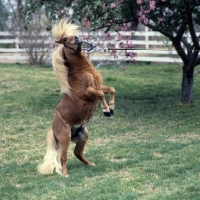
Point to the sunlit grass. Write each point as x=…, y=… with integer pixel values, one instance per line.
x=150, y=149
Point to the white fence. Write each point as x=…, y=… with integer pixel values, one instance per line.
x=153, y=47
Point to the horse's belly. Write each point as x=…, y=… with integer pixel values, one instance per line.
x=77, y=112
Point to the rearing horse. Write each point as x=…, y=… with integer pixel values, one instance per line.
x=83, y=87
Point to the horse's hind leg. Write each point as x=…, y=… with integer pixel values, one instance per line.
x=62, y=132
x=80, y=139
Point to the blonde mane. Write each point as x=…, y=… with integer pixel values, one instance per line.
x=64, y=28
x=61, y=29
x=60, y=70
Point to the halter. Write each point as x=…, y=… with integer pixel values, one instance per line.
x=69, y=47
x=89, y=48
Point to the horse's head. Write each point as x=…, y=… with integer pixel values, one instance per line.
x=66, y=33
x=71, y=42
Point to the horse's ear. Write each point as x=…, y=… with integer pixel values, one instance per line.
x=59, y=41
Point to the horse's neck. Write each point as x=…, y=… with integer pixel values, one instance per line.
x=77, y=61
x=78, y=64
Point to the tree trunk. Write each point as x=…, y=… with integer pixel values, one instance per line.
x=187, y=83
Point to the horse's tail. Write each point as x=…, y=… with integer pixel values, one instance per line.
x=51, y=160
x=61, y=70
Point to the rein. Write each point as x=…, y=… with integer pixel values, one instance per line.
x=90, y=46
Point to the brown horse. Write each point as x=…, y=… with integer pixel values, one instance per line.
x=83, y=88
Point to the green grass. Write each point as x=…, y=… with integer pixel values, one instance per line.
x=149, y=150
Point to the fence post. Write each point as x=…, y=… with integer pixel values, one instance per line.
x=146, y=37
x=17, y=47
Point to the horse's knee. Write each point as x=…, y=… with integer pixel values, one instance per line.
x=112, y=90
x=101, y=95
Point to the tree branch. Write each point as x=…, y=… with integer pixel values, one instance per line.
x=165, y=33
x=191, y=26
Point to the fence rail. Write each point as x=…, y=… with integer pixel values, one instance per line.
x=154, y=47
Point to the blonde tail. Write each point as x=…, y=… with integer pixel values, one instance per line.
x=51, y=159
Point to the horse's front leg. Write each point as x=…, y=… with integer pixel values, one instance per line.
x=91, y=92
x=111, y=91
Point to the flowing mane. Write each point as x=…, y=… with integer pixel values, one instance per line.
x=60, y=70
x=60, y=30
x=64, y=27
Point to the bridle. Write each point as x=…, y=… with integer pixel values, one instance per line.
x=90, y=47
x=69, y=47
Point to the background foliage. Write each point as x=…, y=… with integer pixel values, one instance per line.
x=173, y=18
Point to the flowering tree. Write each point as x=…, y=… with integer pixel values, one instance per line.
x=173, y=18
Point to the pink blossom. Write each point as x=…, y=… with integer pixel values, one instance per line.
x=114, y=53
x=152, y=5
x=146, y=21
x=112, y=5
x=127, y=46
x=131, y=54
x=133, y=59
x=140, y=13
x=86, y=22
x=85, y=37
x=121, y=44
x=57, y=7
x=130, y=45
x=146, y=11
x=107, y=35
x=125, y=28
x=119, y=37
x=139, y=1
x=143, y=19
x=160, y=19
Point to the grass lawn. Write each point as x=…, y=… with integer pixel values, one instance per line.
x=149, y=150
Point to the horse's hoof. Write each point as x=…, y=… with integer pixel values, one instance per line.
x=111, y=111
x=107, y=114
x=91, y=164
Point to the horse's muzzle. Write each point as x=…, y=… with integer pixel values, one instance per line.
x=77, y=41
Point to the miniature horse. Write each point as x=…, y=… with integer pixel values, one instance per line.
x=83, y=87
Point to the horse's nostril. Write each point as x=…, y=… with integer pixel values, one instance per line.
x=77, y=41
